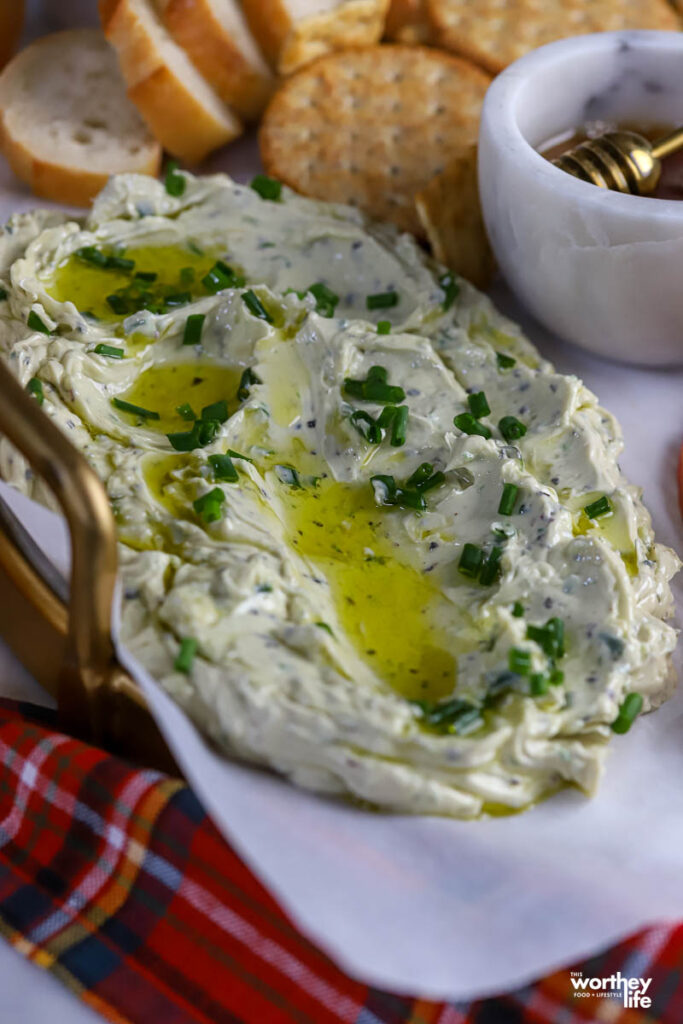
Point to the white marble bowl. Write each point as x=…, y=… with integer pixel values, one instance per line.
x=600, y=269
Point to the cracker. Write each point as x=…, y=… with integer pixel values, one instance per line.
x=408, y=22
x=372, y=127
x=450, y=213
x=493, y=33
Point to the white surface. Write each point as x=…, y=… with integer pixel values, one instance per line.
x=458, y=909
x=446, y=907
x=602, y=269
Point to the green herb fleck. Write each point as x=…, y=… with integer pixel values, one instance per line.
x=384, y=327
x=36, y=324
x=504, y=361
x=208, y=507
x=518, y=609
x=186, y=655
x=478, y=405
x=519, y=661
x=186, y=412
x=35, y=388
x=267, y=188
x=134, y=410
x=192, y=334
x=255, y=306
x=471, y=560
x=466, y=422
x=247, y=379
x=511, y=428
x=325, y=299
x=174, y=182
x=223, y=468
x=382, y=300
x=600, y=507
x=109, y=350
x=451, y=290
x=508, y=499
x=628, y=712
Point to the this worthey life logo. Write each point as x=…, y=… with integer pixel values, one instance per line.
x=633, y=991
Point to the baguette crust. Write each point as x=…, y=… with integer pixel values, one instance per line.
x=181, y=110
x=228, y=59
x=11, y=23
x=64, y=144
x=290, y=44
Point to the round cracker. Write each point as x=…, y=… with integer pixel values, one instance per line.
x=372, y=126
x=493, y=33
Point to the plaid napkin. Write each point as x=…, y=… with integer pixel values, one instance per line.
x=114, y=879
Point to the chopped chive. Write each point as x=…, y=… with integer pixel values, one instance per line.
x=146, y=275
x=451, y=290
x=247, y=379
x=120, y=263
x=177, y=299
x=207, y=430
x=466, y=422
x=600, y=507
x=471, y=560
x=519, y=661
x=35, y=388
x=490, y=570
x=36, y=324
x=3, y=294
x=208, y=507
x=382, y=300
x=185, y=441
x=435, y=480
x=323, y=625
x=174, y=182
x=550, y=637
x=223, y=468
x=556, y=677
x=267, y=188
x=511, y=428
x=186, y=654
x=374, y=388
x=216, y=411
x=508, y=499
x=420, y=476
x=384, y=488
x=366, y=426
x=187, y=275
x=384, y=327
x=538, y=684
x=255, y=306
x=398, y=426
x=518, y=609
x=409, y=499
x=219, y=277
x=478, y=405
x=134, y=410
x=186, y=412
x=109, y=350
x=504, y=361
x=325, y=299
x=288, y=475
x=117, y=304
x=237, y=455
x=192, y=334
x=454, y=715
x=628, y=712
x=91, y=254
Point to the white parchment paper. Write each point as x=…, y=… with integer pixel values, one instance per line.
x=461, y=909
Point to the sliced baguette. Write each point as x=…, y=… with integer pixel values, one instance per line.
x=181, y=109
x=215, y=36
x=294, y=32
x=66, y=123
x=11, y=24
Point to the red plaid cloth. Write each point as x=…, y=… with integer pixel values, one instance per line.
x=114, y=879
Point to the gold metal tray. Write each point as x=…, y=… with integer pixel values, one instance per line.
x=62, y=634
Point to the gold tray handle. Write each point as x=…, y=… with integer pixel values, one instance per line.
x=88, y=662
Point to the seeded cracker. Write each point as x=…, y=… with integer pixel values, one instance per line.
x=451, y=216
x=493, y=33
x=372, y=127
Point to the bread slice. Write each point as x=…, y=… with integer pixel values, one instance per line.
x=215, y=36
x=294, y=32
x=372, y=126
x=66, y=123
x=181, y=109
x=11, y=23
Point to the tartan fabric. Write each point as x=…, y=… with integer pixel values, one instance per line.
x=114, y=879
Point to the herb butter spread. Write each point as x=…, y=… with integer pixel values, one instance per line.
x=368, y=536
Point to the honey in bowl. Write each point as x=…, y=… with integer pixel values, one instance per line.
x=670, y=184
